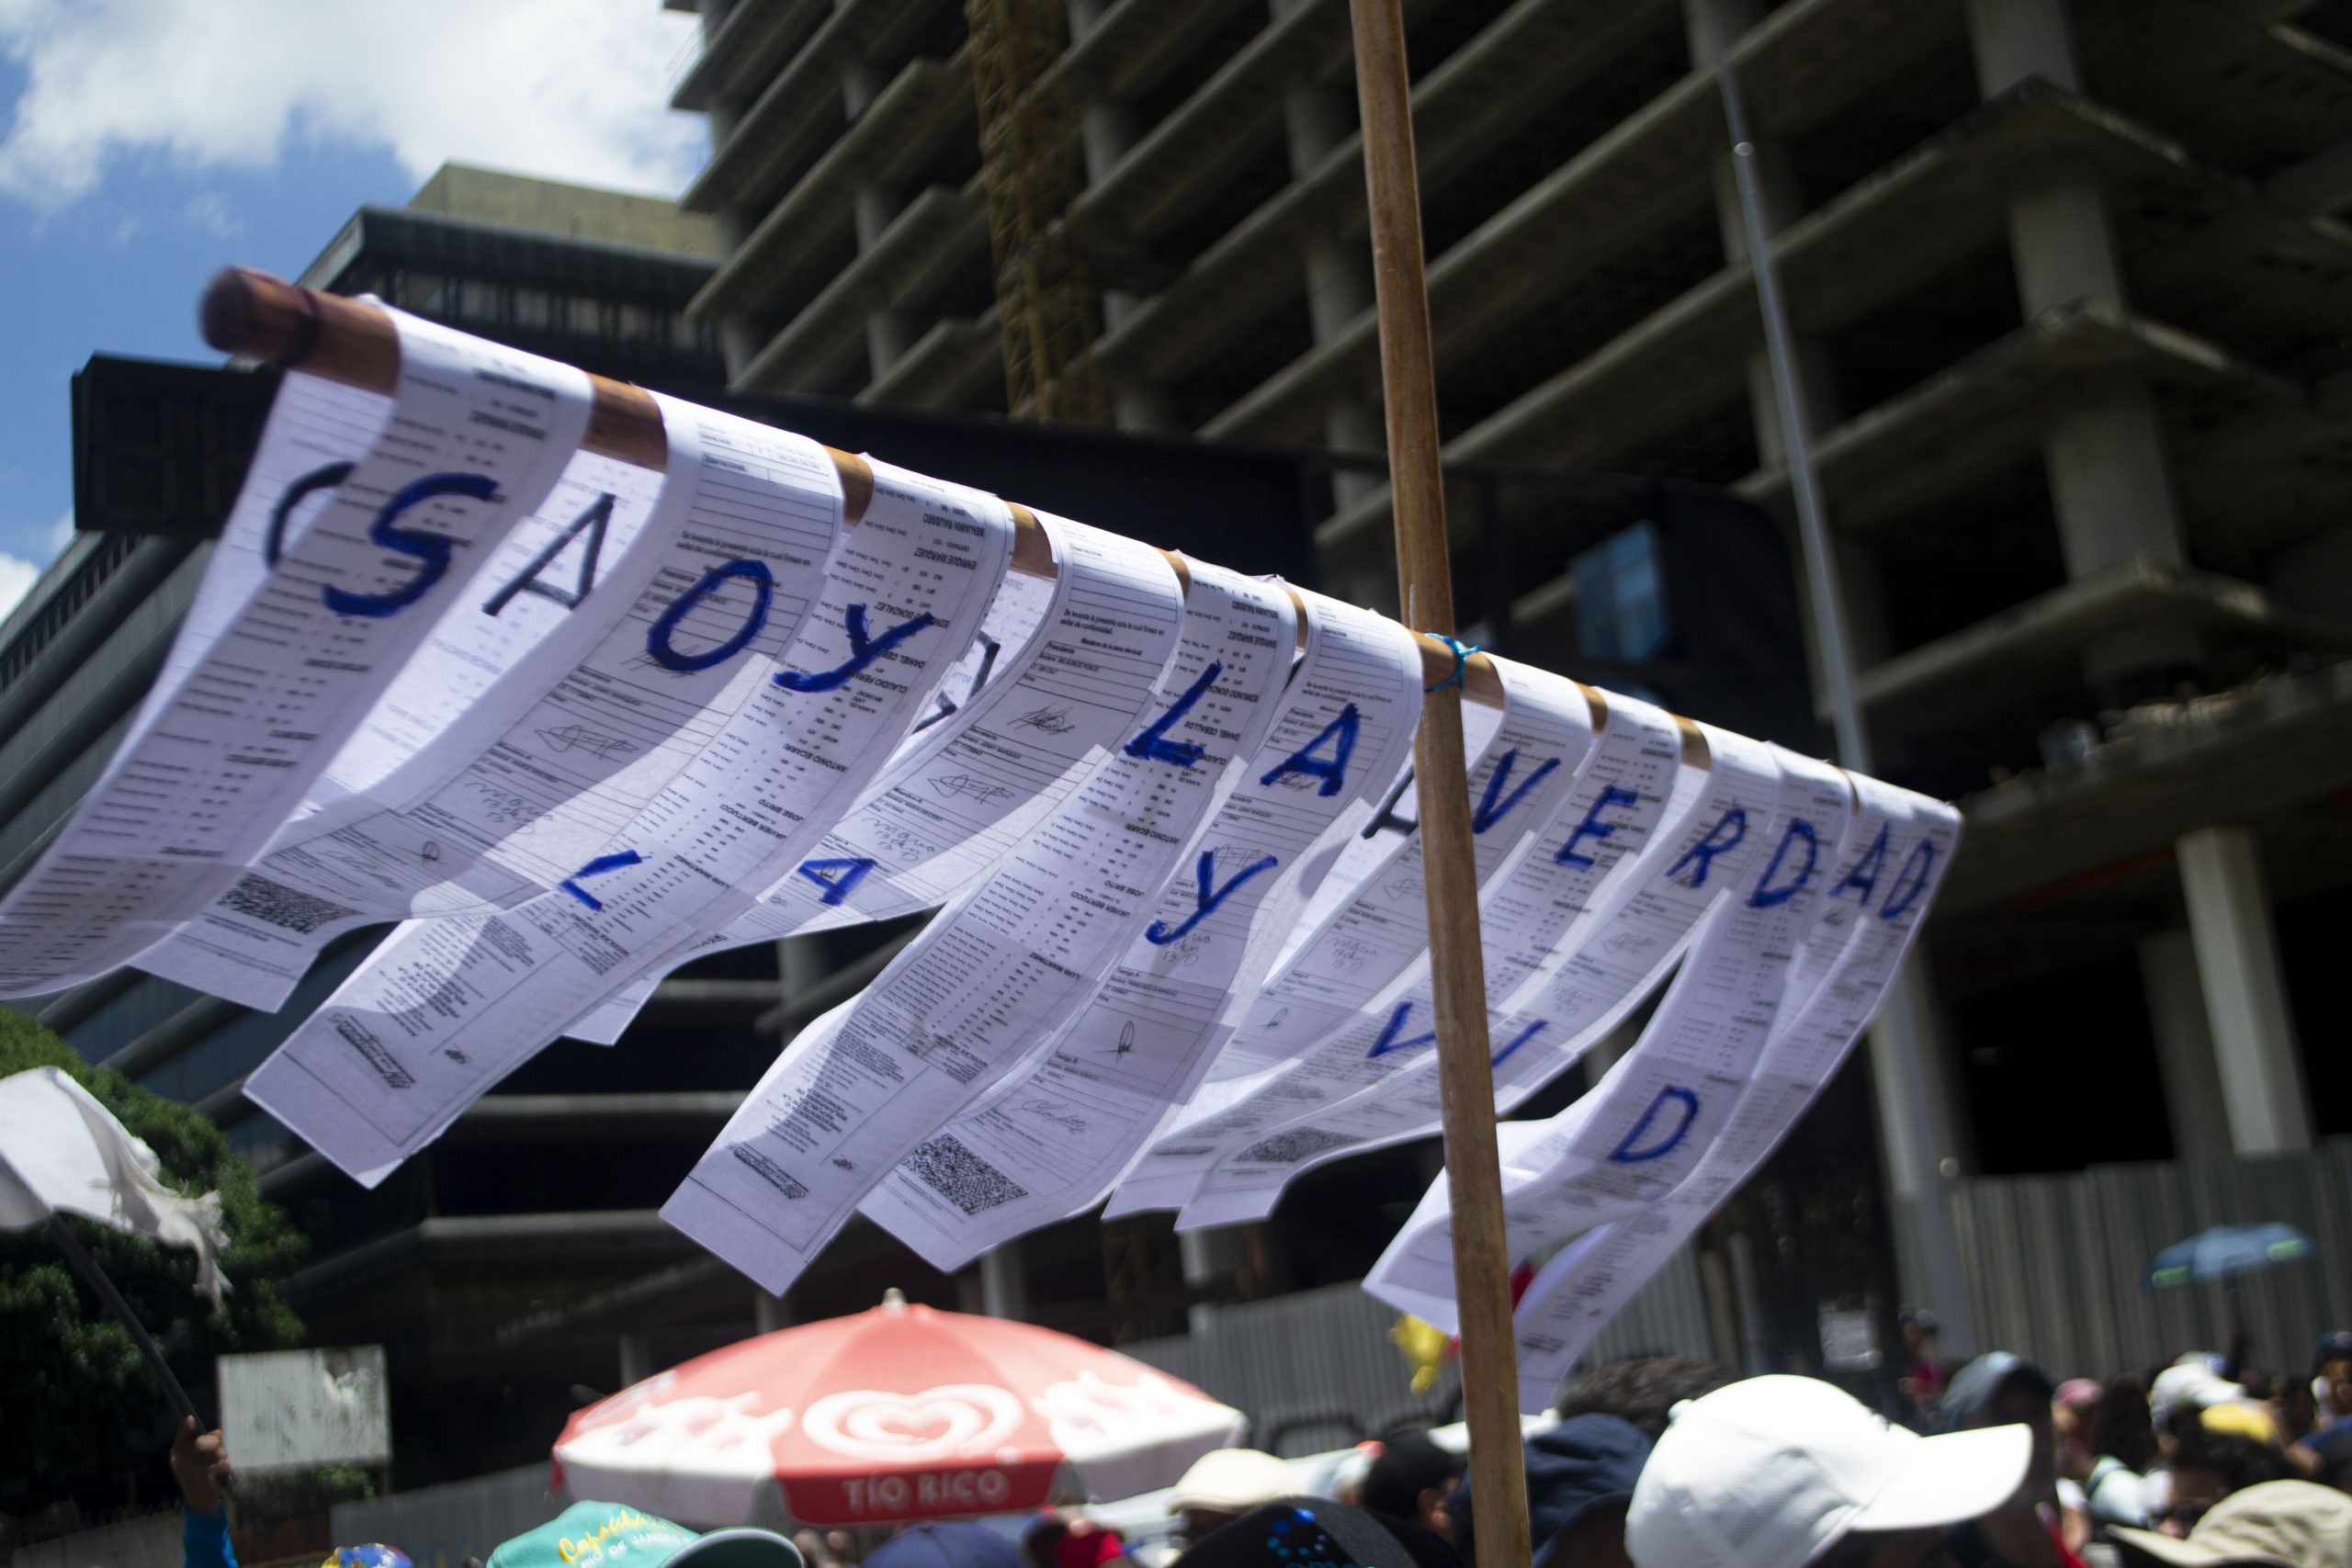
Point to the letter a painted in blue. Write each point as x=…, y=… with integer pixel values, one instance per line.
x=1865, y=873
x=1152, y=745
x=430, y=551
x=1706, y=851
x=1632, y=1151
x=1159, y=933
x=863, y=651
x=1521, y=1038
x=598, y=867
x=1389, y=1041
x=1766, y=896
x=1332, y=770
x=1489, y=810
x=1910, y=882
x=658, y=645
x=839, y=878
x=592, y=522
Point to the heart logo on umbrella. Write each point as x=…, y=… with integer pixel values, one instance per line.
x=870, y=1424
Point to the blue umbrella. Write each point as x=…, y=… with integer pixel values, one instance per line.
x=2225, y=1252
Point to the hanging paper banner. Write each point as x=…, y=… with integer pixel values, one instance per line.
x=1001, y=970
x=444, y=1009
x=347, y=543
x=1059, y=1131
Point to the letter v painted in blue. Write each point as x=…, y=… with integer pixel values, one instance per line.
x=1491, y=811
x=863, y=651
x=1389, y=1041
x=598, y=867
x=1152, y=745
x=1159, y=933
x=1521, y=1038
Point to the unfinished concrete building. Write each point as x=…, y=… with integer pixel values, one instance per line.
x=2073, y=315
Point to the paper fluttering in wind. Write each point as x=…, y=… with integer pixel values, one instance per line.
x=61, y=1151
x=576, y=723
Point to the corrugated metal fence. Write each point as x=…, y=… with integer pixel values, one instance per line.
x=440, y=1527
x=1315, y=1369
x=2057, y=1262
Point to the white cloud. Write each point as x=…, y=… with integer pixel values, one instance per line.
x=208, y=212
x=17, y=578
x=60, y=534
x=568, y=89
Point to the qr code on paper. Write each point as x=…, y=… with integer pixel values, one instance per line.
x=279, y=905
x=963, y=1178
x=1291, y=1148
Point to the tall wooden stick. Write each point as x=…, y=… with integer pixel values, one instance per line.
x=1457, y=969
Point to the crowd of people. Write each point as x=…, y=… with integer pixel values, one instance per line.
x=1667, y=1462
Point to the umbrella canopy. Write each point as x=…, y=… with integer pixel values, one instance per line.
x=900, y=1412
x=2226, y=1251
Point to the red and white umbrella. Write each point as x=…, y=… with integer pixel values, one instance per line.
x=900, y=1412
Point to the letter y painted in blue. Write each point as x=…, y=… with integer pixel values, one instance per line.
x=1389, y=1041
x=598, y=867
x=1706, y=851
x=1341, y=734
x=1767, y=896
x=1152, y=745
x=863, y=651
x=1491, y=811
x=430, y=551
x=1632, y=1151
x=1159, y=933
x=839, y=878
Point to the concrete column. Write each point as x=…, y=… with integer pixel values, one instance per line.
x=2103, y=443
x=635, y=1359
x=1211, y=1258
x=1004, y=1292
x=2246, y=992
x=770, y=1312
x=1107, y=132
x=1921, y=1132
x=2193, y=1103
x=888, y=334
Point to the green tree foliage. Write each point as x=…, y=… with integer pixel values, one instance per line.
x=74, y=1396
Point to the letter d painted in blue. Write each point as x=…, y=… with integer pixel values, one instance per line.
x=1633, y=1151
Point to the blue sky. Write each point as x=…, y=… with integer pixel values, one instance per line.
x=147, y=142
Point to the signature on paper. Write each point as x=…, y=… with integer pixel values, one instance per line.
x=1056, y=1112
x=580, y=737
x=1046, y=720
x=973, y=785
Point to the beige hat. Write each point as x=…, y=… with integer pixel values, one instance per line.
x=1232, y=1481
x=2279, y=1523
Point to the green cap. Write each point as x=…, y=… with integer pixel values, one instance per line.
x=607, y=1534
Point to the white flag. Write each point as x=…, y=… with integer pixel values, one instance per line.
x=60, y=1149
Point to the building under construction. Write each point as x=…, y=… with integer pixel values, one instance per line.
x=2071, y=315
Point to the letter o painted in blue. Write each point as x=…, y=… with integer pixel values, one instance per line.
x=657, y=636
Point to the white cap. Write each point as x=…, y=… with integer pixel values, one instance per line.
x=1231, y=1481
x=2190, y=1384
x=1772, y=1472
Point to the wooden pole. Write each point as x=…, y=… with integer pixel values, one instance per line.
x=1457, y=967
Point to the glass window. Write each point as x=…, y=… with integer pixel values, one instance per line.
x=479, y=301
x=1621, y=600
x=534, y=308
x=426, y=293
x=587, y=316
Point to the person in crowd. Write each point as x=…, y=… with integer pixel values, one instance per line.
x=2279, y=1523
x=1413, y=1478
x=1041, y=1535
x=1786, y=1472
x=2214, y=1458
x=2074, y=1409
x=1222, y=1485
x=609, y=1535
x=2329, y=1441
x=1090, y=1544
x=1642, y=1390
x=2125, y=1487
x=1922, y=1383
x=1580, y=1477
x=956, y=1544
x=2029, y=1530
x=200, y=1465
x=1317, y=1533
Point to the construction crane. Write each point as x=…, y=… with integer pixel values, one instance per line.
x=1033, y=165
